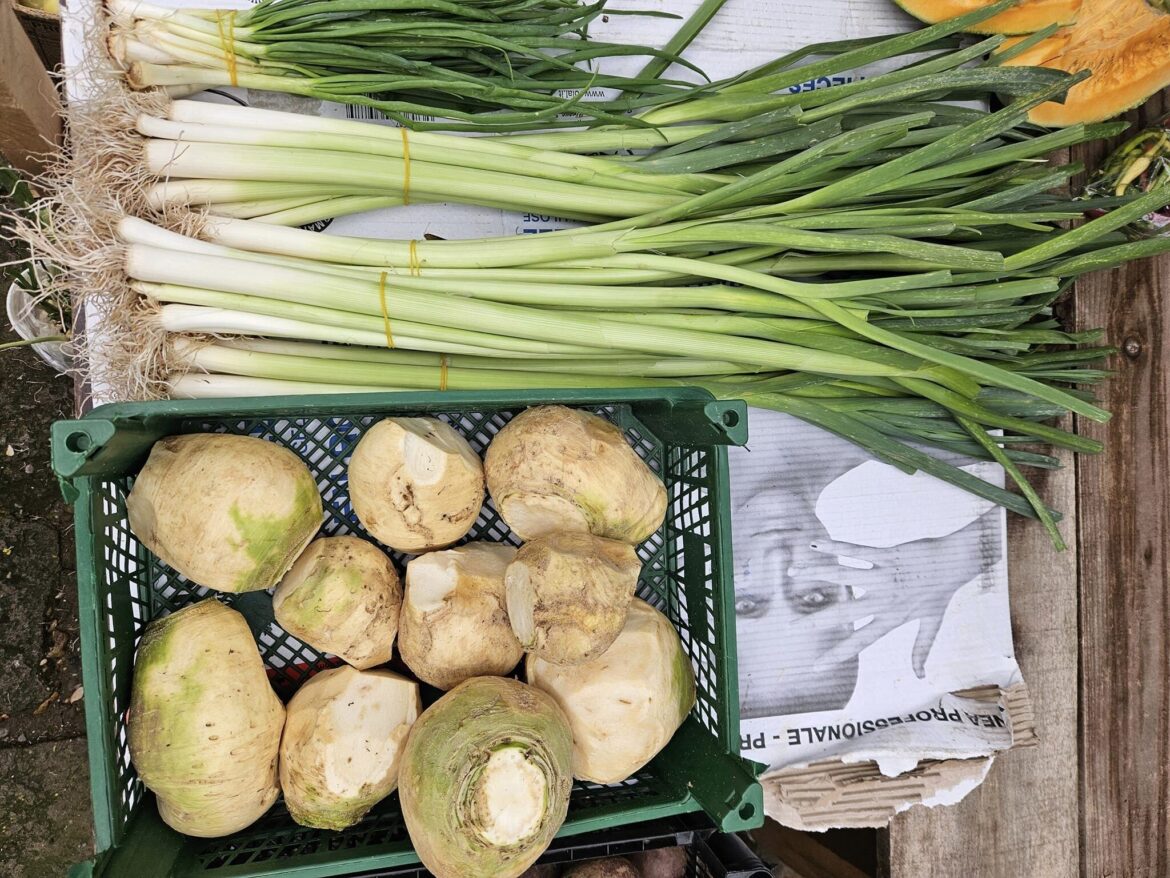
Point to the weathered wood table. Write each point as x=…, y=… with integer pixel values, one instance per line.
x=1091, y=630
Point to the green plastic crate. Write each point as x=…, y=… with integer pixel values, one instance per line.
x=681, y=433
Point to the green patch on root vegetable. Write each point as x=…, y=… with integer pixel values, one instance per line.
x=485, y=778
x=342, y=596
x=454, y=621
x=204, y=724
x=559, y=469
x=228, y=512
x=415, y=484
x=342, y=744
x=568, y=594
x=625, y=705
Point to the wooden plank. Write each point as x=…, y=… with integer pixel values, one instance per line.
x=1124, y=520
x=30, y=122
x=1023, y=819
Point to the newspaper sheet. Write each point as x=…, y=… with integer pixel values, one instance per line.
x=864, y=598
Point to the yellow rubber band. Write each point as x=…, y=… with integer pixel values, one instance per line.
x=415, y=264
x=442, y=371
x=225, y=23
x=405, y=166
x=385, y=310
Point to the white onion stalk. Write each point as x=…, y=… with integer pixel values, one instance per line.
x=232, y=275
x=406, y=334
x=191, y=385
x=369, y=346
x=454, y=152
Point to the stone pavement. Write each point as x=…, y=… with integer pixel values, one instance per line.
x=45, y=822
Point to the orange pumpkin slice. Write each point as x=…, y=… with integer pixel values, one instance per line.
x=1027, y=17
x=1126, y=45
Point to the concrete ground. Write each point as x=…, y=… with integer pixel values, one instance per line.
x=45, y=822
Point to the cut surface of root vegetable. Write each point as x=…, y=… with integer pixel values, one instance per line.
x=415, y=484
x=485, y=778
x=342, y=596
x=568, y=594
x=228, y=512
x=625, y=705
x=610, y=867
x=554, y=468
x=454, y=621
x=342, y=744
x=204, y=724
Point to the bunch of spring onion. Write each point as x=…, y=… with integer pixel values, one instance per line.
x=868, y=258
x=698, y=158
x=456, y=59
x=937, y=355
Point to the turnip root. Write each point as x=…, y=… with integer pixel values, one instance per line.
x=454, y=622
x=568, y=594
x=415, y=484
x=342, y=596
x=228, y=512
x=661, y=862
x=485, y=777
x=204, y=724
x=626, y=704
x=342, y=744
x=610, y=867
x=559, y=469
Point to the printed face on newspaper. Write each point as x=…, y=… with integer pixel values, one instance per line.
x=864, y=597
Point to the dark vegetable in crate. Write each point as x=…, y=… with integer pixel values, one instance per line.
x=668, y=862
x=610, y=867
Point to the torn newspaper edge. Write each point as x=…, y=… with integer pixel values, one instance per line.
x=831, y=793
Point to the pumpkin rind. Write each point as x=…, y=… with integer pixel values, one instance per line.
x=1027, y=17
